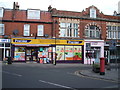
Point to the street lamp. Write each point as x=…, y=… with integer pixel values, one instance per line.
x=54, y=61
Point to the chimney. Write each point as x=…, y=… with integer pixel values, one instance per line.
x=49, y=8
x=15, y=6
x=115, y=13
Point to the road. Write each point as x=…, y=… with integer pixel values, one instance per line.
x=34, y=75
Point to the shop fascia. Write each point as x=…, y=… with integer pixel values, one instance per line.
x=17, y=41
x=5, y=40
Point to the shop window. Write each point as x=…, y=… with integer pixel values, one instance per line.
x=1, y=29
x=33, y=14
x=19, y=54
x=26, y=30
x=1, y=12
x=69, y=52
x=40, y=31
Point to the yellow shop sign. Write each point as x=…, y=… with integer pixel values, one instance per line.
x=47, y=41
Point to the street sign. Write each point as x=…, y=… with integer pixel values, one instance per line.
x=112, y=44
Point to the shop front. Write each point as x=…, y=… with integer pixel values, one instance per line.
x=94, y=49
x=5, y=49
x=47, y=50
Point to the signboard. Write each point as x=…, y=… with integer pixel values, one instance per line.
x=5, y=40
x=88, y=46
x=20, y=40
x=46, y=41
x=112, y=44
x=74, y=42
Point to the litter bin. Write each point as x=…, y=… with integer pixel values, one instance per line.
x=9, y=60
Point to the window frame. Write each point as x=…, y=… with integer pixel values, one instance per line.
x=3, y=29
x=93, y=13
x=26, y=30
x=69, y=29
x=40, y=31
x=1, y=12
x=92, y=33
x=31, y=14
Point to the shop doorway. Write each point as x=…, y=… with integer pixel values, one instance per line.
x=31, y=54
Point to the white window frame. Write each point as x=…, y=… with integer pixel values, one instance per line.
x=33, y=14
x=92, y=33
x=92, y=12
x=69, y=29
x=26, y=30
x=40, y=30
x=1, y=12
x=2, y=29
x=113, y=32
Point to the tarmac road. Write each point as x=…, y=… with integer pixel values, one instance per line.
x=34, y=75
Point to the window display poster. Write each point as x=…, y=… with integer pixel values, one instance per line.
x=19, y=53
x=19, y=56
x=69, y=53
x=77, y=53
x=60, y=52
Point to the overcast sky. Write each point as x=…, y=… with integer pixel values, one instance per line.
x=106, y=6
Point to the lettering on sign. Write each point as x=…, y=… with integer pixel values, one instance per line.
x=74, y=42
x=22, y=41
x=4, y=40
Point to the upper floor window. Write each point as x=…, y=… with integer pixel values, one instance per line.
x=40, y=31
x=1, y=29
x=33, y=14
x=69, y=30
x=26, y=30
x=113, y=32
x=1, y=12
x=93, y=13
x=92, y=31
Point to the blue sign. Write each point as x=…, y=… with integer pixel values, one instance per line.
x=74, y=42
x=5, y=40
x=22, y=41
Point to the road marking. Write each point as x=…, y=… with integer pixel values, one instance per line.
x=57, y=84
x=15, y=74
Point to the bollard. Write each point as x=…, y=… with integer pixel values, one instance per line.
x=102, y=66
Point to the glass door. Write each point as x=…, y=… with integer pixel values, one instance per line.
x=31, y=54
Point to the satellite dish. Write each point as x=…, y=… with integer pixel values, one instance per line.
x=15, y=32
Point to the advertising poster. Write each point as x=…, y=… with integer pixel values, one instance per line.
x=69, y=53
x=19, y=54
x=60, y=52
x=77, y=53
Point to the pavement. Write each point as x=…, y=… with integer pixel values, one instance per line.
x=111, y=75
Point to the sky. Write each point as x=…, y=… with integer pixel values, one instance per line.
x=105, y=6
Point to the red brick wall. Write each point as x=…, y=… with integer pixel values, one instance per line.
x=11, y=26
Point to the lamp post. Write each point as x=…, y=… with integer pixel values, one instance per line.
x=54, y=61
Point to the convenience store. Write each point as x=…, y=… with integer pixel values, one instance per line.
x=65, y=51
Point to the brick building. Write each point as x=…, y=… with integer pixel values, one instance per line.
x=73, y=36
x=94, y=27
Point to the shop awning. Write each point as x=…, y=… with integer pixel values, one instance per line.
x=32, y=45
